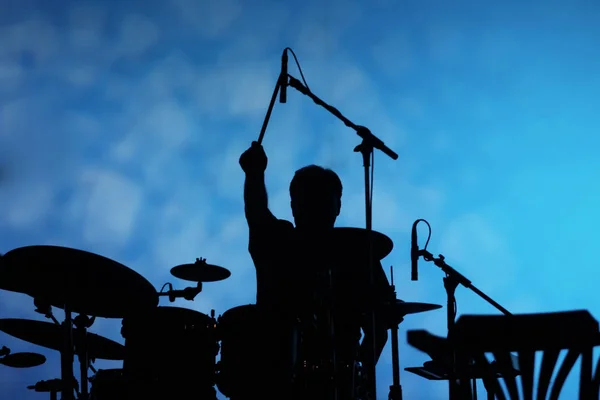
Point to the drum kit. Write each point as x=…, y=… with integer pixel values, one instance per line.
x=169, y=352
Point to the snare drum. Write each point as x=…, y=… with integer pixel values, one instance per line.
x=108, y=384
x=256, y=353
x=170, y=351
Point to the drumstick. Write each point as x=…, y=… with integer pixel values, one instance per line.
x=270, y=110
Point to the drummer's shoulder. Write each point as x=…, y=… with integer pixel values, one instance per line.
x=270, y=222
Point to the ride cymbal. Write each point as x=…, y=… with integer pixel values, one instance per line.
x=23, y=360
x=51, y=336
x=200, y=271
x=399, y=309
x=90, y=284
x=355, y=241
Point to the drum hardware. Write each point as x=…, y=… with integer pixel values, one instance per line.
x=82, y=323
x=86, y=345
x=200, y=271
x=395, y=311
x=451, y=282
x=52, y=386
x=396, y=388
x=188, y=293
x=179, y=328
x=350, y=242
x=66, y=351
x=76, y=281
x=50, y=336
x=44, y=308
x=328, y=308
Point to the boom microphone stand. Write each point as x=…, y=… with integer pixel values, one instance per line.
x=366, y=148
x=451, y=281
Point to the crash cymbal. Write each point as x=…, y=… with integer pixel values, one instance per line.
x=51, y=336
x=200, y=271
x=354, y=240
x=89, y=283
x=23, y=360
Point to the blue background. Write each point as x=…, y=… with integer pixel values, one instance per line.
x=121, y=124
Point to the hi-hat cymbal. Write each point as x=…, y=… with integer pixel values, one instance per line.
x=200, y=271
x=90, y=284
x=51, y=336
x=23, y=360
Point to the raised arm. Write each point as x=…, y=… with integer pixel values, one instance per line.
x=256, y=204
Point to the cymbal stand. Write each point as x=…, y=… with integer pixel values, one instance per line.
x=395, y=389
x=66, y=356
x=366, y=148
x=45, y=309
x=91, y=365
x=82, y=323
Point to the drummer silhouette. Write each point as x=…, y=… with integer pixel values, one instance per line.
x=289, y=262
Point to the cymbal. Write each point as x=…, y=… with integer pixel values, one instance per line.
x=200, y=271
x=89, y=283
x=23, y=360
x=400, y=308
x=51, y=336
x=355, y=239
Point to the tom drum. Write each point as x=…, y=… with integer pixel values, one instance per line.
x=170, y=351
x=256, y=352
x=108, y=384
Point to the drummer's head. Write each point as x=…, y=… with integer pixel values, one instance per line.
x=316, y=194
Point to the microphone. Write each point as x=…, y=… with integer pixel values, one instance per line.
x=414, y=253
x=188, y=293
x=283, y=78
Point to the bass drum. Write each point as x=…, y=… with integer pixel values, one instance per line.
x=170, y=352
x=257, y=354
x=108, y=384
